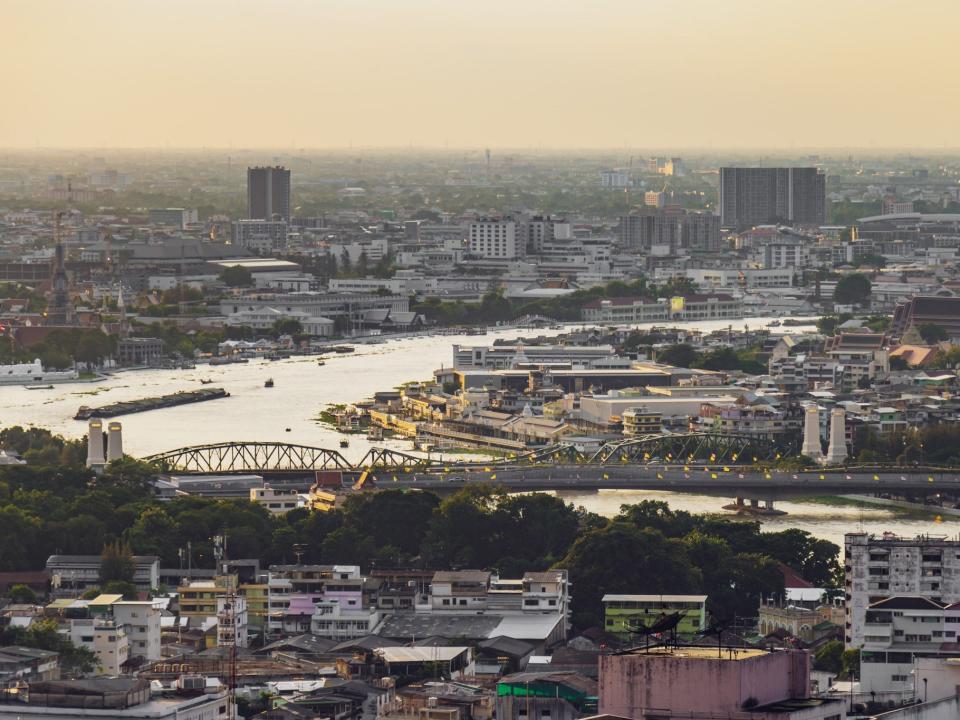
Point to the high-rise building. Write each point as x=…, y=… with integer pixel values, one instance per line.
x=700, y=231
x=757, y=196
x=495, y=238
x=649, y=227
x=268, y=193
x=878, y=568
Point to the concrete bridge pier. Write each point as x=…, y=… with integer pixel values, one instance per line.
x=752, y=506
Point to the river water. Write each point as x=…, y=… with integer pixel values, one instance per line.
x=288, y=412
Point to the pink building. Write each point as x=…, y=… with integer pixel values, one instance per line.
x=694, y=682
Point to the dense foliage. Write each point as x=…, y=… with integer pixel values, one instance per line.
x=494, y=307
x=54, y=504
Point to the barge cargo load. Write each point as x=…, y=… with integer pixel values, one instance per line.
x=155, y=403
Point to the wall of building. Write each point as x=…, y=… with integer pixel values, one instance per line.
x=632, y=685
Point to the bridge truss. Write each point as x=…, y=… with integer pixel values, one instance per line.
x=675, y=448
x=236, y=457
x=679, y=448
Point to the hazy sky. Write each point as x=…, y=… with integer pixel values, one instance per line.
x=479, y=73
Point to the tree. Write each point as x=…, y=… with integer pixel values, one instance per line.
x=22, y=595
x=44, y=634
x=829, y=657
x=116, y=563
x=898, y=363
x=682, y=355
x=121, y=587
x=287, y=326
x=852, y=290
x=237, y=276
x=622, y=558
x=932, y=333
x=721, y=359
x=19, y=539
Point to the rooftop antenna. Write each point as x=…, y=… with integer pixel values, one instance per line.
x=717, y=628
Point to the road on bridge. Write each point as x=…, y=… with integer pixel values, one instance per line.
x=718, y=480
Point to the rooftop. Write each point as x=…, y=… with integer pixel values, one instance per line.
x=655, y=598
x=699, y=653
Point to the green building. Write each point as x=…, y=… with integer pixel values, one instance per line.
x=623, y=612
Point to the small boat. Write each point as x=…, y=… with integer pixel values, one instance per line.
x=773, y=323
x=344, y=443
x=39, y=387
x=268, y=383
x=288, y=429
x=206, y=382
x=321, y=363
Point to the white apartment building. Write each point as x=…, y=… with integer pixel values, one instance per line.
x=636, y=310
x=797, y=373
x=477, y=592
x=878, y=568
x=278, y=502
x=112, y=646
x=105, y=638
x=898, y=630
x=285, y=581
x=263, y=236
x=333, y=620
x=232, y=621
x=123, y=698
x=141, y=619
x=716, y=278
x=494, y=239
x=780, y=255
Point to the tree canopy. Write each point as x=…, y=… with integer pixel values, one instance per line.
x=237, y=276
x=852, y=290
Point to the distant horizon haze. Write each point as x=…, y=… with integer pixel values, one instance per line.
x=543, y=75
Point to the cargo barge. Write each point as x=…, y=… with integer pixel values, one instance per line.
x=155, y=403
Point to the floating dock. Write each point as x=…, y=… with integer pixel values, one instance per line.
x=155, y=403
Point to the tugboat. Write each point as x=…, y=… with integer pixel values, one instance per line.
x=268, y=383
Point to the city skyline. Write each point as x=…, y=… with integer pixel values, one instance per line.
x=742, y=75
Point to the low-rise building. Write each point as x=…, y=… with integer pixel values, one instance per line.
x=142, y=622
x=624, y=614
x=110, y=699
x=551, y=695
x=332, y=619
x=75, y=574
x=278, y=502
x=684, y=683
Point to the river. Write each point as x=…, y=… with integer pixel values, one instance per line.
x=288, y=412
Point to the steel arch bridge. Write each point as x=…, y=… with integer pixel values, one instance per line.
x=252, y=457
x=239, y=457
x=676, y=448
